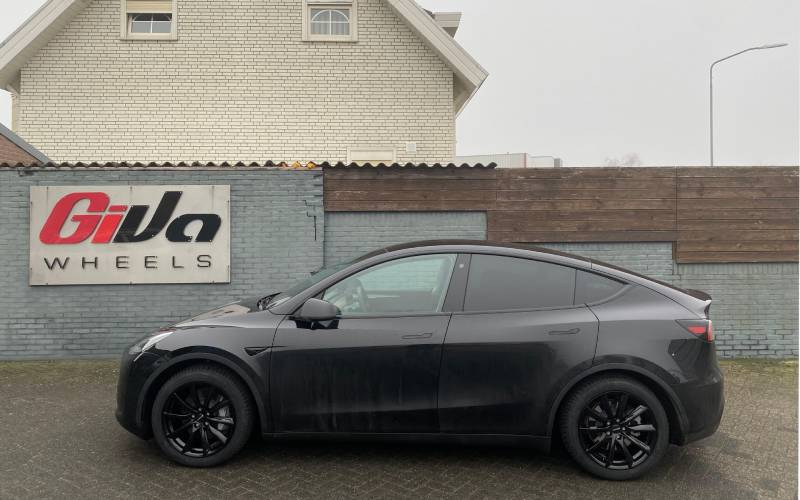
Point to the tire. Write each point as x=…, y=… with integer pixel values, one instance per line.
x=605, y=448
x=202, y=416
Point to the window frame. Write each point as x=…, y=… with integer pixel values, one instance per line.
x=351, y=5
x=444, y=300
x=463, y=310
x=126, y=19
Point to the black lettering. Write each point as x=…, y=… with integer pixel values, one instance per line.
x=176, y=232
x=175, y=264
x=131, y=223
x=203, y=261
x=122, y=262
x=151, y=262
x=56, y=262
x=85, y=262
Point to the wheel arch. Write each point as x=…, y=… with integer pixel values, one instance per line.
x=178, y=363
x=672, y=405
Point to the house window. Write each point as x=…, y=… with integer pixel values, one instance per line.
x=330, y=20
x=150, y=23
x=149, y=19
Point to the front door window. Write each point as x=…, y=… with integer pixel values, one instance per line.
x=410, y=285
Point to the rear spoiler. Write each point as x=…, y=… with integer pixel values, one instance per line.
x=696, y=301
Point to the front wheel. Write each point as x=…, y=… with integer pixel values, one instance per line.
x=615, y=428
x=202, y=416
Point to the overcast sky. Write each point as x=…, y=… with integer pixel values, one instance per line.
x=589, y=80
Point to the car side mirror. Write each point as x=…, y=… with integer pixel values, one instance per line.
x=318, y=310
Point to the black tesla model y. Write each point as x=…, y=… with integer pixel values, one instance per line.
x=448, y=340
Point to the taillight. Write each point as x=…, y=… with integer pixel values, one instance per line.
x=699, y=328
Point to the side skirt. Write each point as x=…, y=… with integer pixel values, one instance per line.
x=539, y=443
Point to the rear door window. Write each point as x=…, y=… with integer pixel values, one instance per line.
x=592, y=287
x=498, y=283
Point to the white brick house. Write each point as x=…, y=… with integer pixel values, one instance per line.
x=244, y=80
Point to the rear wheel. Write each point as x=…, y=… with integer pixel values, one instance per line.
x=615, y=428
x=202, y=416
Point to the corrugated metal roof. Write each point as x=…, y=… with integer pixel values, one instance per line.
x=232, y=165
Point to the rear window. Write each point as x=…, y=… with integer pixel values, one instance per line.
x=501, y=283
x=592, y=287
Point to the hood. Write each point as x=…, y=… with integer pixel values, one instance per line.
x=223, y=315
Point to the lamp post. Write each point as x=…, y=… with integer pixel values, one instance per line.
x=711, y=87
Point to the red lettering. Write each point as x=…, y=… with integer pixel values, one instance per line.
x=107, y=229
x=51, y=231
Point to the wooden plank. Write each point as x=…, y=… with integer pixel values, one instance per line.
x=739, y=235
x=725, y=257
x=785, y=181
x=410, y=173
x=735, y=171
x=584, y=194
x=497, y=217
x=702, y=225
x=579, y=236
x=734, y=214
x=407, y=206
x=591, y=172
x=615, y=204
x=332, y=185
x=736, y=193
x=401, y=195
x=736, y=246
x=658, y=185
x=739, y=203
x=581, y=225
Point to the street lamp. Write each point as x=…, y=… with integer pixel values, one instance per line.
x=711, y=86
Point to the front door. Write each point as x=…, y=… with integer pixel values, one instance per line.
x=376, y=368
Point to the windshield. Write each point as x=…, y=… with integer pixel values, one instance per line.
x=307, y=283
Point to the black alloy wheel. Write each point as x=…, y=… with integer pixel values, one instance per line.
x=614, y=427
x=202, y=416
x=618, y=431
x=199, y=419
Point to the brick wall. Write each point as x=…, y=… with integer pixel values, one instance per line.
x=239, y=84
x=11, y=153
x=272, y=245
x=350, y=234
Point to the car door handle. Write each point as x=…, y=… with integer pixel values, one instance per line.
x=418, y=336
x=574, y=331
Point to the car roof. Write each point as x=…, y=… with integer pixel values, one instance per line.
x=470, y=245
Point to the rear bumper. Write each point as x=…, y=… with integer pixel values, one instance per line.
x=703, y=403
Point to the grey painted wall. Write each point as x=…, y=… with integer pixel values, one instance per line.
x=272, y=245
x=274, y=242
x=350, y=234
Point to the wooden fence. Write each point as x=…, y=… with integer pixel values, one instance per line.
x=741, y=214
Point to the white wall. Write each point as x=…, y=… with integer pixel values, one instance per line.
x=237, y=85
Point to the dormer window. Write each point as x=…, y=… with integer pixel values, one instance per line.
x=330, y=20
x=149, y=19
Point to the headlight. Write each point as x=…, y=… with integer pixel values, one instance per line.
x=148, y=342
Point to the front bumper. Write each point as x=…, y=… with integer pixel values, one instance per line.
x=134, y=372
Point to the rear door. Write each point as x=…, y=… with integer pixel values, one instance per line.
x=519, y=336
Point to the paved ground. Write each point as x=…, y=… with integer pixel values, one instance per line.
x=59, y=439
